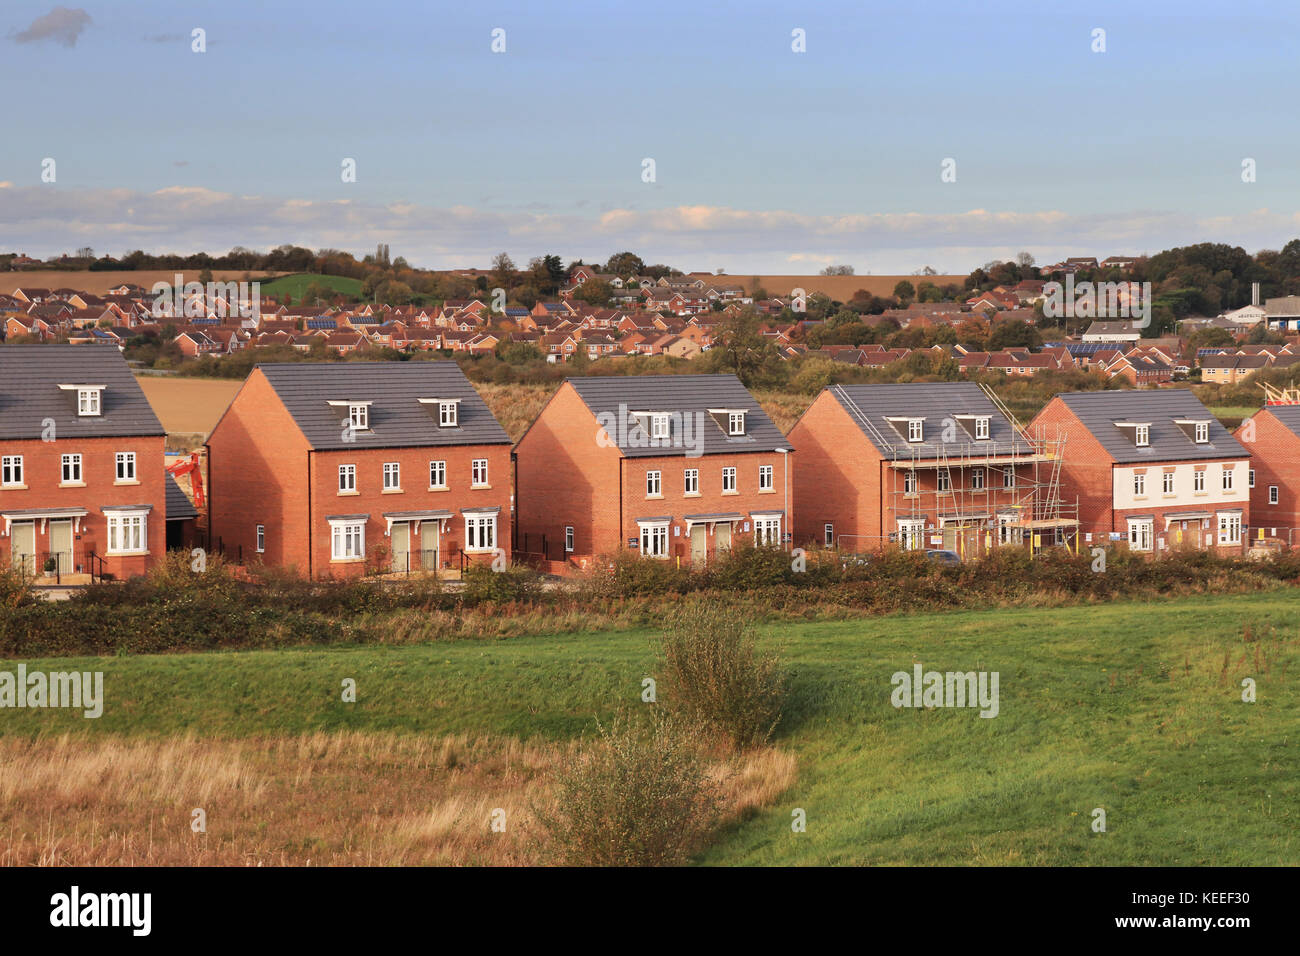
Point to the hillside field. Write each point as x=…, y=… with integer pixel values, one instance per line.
x=295, y=285
x=1135, y=708
x=100, y=282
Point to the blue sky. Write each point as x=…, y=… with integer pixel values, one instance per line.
x=766, y=160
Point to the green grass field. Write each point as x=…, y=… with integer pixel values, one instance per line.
x=1135, y=708
x=294, y=286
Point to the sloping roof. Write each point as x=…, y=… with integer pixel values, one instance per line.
x=940, y=404
x=1099, y=411
x=397, y=418
x=30, y=376
x=689, y=395
x=179, y=507
x=1288, y=415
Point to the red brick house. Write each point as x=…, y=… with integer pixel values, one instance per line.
x=341, y=469
x=918, y=466
x=675, y=467
x=82, y=486
x=1152, y=468
x=1272, y=436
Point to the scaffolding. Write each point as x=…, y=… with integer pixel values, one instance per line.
x=970, y=505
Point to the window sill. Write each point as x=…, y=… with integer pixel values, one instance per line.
x=72, y=484
x=439, y=488
x=13, y=487
x=348, y=494
x=767, y=491
x=731, y=492
x=655, y=497
x=126, y=481
x=126, y=554
x=480, y=550
x=346, y=560
x=480, y=487
x=392, y=491
x=691, y=494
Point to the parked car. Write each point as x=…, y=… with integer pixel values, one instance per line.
x=944, y=557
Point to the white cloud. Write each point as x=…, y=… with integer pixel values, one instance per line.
x=192, y=218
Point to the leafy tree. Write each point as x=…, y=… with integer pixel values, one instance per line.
x=625, y=264
x=904, y=292
x=838, y=270
x=595, y=292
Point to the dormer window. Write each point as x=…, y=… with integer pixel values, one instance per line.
x=1142, y=436
x=915, y=429
x=982, y=428
x=359, y=416
x=88, y=401
x=659, y=425
x=736, y=423
x=1202, y=432
x=1197, y=429
x=447, y=414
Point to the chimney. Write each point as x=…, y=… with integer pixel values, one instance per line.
x=1254, y=293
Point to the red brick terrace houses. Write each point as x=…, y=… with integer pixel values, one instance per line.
x=82, y=486
x=340, y=469
x=922, y=465
x=1152, y=468
x=1272, y=436
x=677, y=467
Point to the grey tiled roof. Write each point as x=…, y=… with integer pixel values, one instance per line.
x=686, y=394
x=940, y=404
x=397, y=418
x=1288, y=415
x=1098, y=411
x=30, y=376
x=178, y=506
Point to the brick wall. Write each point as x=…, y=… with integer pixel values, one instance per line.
x=1275, y=456
x=42, y=472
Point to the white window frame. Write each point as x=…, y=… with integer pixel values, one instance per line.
x=128, y=532
x=766, y=478
x=911, y=534
x=1139, y=486
x=660, y=426
x=347, y=539
x=392, y=476
x=981, y=428
x=654, y=540
x=479, y=473
x=1229, y=529
x=728, y=479
x=124, y=463
x=438, y=470
x=448, y=416
x=828, y=534
x=1272, y=494
x=1198, y=480
x=909, y=482
x=977, y=479
x=11, y=471
x=654, y=484
x=1009, y=479
x=1227, y=478
x=735, y=423
x=359, y=417
x=347, y=479
x=261, y=538
x=1142, y=435
x=1167, y=483
x=70, y=469
x=568, y=537
x=915, y=429
x=1141, y=534
x=1250, y=477
x=480, y=533
x=89, y=402
x=1202, y=432
x=691, y=481
x=767, y=530
x=942, y=481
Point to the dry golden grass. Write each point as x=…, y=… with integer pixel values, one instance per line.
x=319, y=799
x=101, y=282
x=189, y=404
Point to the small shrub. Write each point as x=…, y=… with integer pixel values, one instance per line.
x=641, y=797
x=714, y=674
x=514, y=584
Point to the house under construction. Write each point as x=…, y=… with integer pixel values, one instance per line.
x=927, y=466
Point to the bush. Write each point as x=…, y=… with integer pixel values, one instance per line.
x=516, y=583
x=641, y=797
x=714, y=674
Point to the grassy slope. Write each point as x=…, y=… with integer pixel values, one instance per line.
x=294, y=285
x=1126, y=707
